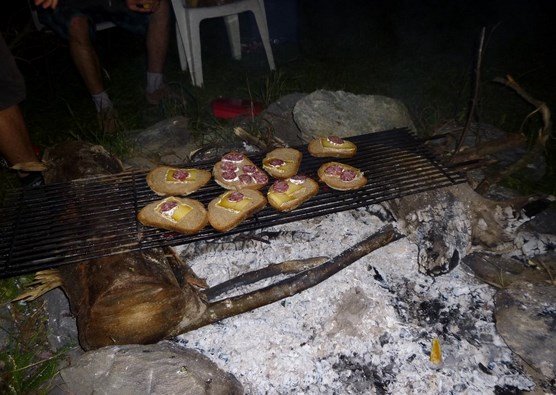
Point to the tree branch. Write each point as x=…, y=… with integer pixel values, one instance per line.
x=240, y=304
x=540, y=144
x=287, y=267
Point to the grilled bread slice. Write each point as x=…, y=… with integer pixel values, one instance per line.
x=341, y=176
x=288, y=194
x=236, y=172
x=182, y=215
x=164, y=180
x=230, y=208
x=282, y=162
x=332, y=146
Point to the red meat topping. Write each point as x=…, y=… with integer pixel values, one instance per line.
x=335, y=139
x=180, y=175
x=280, y=186
x=233, y=157
x=167, y=206
x=276, y=162
x=235, y=196
x=348, y=175
x=334, y=170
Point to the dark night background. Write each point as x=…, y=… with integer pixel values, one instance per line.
x=420, y=52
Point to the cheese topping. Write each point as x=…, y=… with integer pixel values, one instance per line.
x=173, y=210
x=294, y=190
x=233, y=206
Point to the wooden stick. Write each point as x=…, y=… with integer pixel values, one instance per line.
x=240, y=304
x=287, y=267
x=475, y=93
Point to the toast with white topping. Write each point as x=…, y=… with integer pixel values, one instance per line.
x=182, y=215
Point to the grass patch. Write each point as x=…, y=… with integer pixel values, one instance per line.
x=27, y=365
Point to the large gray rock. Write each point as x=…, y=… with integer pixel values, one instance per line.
x=163, y=368
x=346, y=114
x=525, y=318
x=279, y=115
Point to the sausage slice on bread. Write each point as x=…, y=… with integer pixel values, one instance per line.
x=332, y=146
x=288, y=194
x=182, y=215
x=230, y=208
x=282, y=162
x=235, y=172
x=341, y=176
x=164, y=180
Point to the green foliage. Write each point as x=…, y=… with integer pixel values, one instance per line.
x=26, y=363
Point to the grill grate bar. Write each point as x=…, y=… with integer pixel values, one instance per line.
x=86, y=219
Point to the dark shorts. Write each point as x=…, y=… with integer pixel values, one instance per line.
x=96, y=11
x=12, y=85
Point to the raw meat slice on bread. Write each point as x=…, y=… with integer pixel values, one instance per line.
x=332, y=146
x=235, y=172
x=288, y=194
x=341, y=176
x=230, y=208
x=165, y=180
x=182, y=215
x=282, y=162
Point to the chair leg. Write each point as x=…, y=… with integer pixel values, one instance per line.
x=181, y=33
x=194, y=47
x=181, y=49
x=260, y=18
x=232, y=27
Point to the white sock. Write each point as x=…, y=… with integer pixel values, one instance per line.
x=102, y=101
x=154, y=81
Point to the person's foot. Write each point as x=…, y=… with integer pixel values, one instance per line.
x=162, y=94
x=31, y=180
x=108, y=121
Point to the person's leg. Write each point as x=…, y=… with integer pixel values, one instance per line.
x=15, y=144
x=84, y=55
x=86, y=60
x=158, y=35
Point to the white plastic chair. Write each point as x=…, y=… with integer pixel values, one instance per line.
x=188, y=32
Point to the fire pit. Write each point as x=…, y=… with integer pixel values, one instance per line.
x=367, y=329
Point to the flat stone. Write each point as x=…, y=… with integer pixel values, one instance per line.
x=168, y=142
x=526, y=319
x=163, y=368
x=322, y=113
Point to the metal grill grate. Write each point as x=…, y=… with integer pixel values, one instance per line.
x=71, y=222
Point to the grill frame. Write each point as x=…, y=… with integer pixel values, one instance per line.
x=71, y=222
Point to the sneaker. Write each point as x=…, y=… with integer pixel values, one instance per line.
x=108, y=121
x=162, y=94
x=32, y=180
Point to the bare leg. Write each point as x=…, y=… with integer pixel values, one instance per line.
x=15, y=144
x=157, y=38
x=84, y=55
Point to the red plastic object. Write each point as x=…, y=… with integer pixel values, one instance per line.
x=225, y=108
x=38, y=151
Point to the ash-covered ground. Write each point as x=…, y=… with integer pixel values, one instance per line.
x=368, y=329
